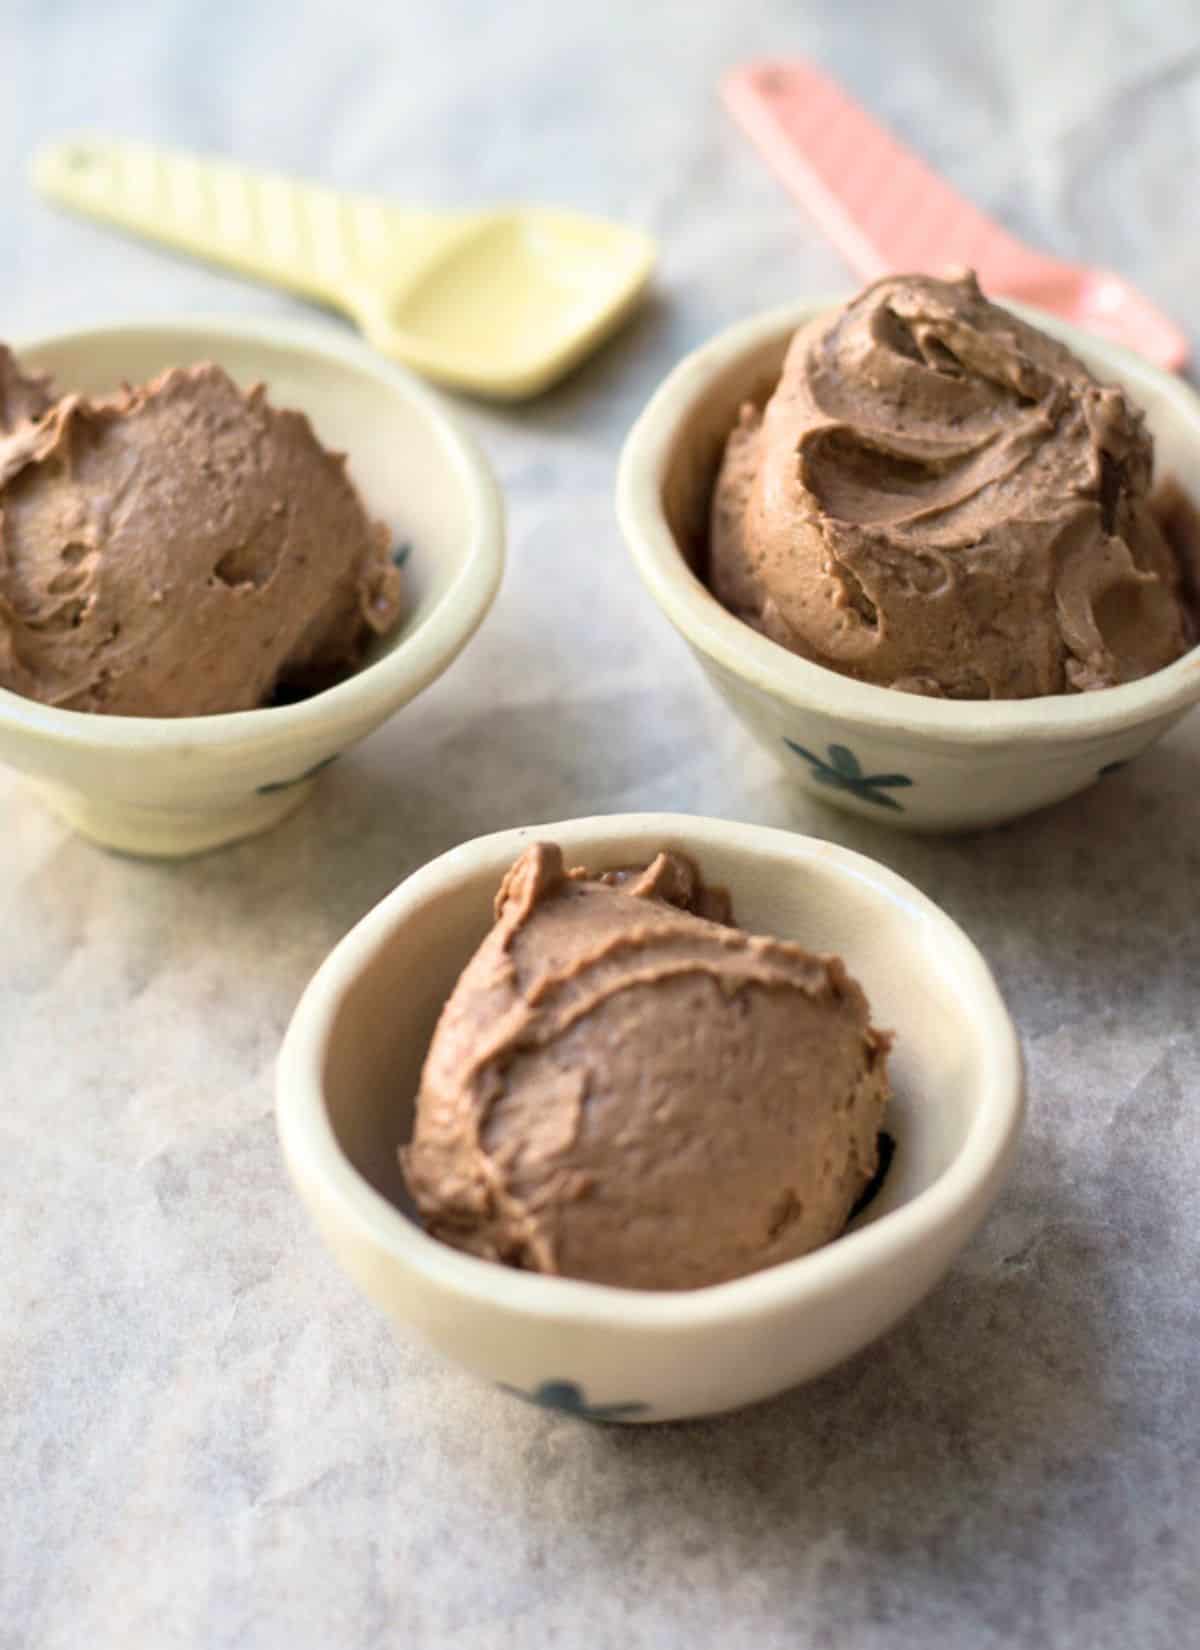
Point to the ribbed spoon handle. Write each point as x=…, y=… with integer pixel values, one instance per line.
x=297, y=235
x=881, y=206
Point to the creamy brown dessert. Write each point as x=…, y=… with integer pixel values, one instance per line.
x=625, y=1088
x=938, y=497
x=180, y=549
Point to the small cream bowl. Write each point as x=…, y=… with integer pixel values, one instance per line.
x=180, y=785
x=350, y=1066
x=900, y=758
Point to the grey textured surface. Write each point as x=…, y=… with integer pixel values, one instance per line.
x=208, y=1439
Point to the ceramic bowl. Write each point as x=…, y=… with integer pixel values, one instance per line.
x=350, y=1067
x=174, y=786
x=900, y=758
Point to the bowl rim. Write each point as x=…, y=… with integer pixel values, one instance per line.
x=324, y=1174
x=770, y=667
x=410, y=665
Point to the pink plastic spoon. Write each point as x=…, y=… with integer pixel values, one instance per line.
x=886, y=211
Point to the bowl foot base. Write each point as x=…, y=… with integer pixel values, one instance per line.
x=166, y=832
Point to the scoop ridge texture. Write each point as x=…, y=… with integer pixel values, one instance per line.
x=940, y=498
x=623, y=1090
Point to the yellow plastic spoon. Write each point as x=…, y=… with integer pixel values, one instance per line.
x=500, y=302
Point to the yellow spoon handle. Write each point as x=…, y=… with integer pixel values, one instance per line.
x=313, y=240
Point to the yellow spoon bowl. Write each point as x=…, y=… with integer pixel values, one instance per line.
x=501, y=303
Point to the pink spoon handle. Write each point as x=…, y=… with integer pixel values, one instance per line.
x=886, y=211
x=881, y=206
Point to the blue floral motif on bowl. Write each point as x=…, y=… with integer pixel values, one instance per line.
x=843, y=772
x=569, y=1399
x=286, y=784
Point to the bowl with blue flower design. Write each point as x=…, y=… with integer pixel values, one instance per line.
x=901, y=758
x=172, y=786
x=350, y=1067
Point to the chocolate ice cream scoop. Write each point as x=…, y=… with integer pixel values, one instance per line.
x=625, y=1090
x=940, y=498
x=180, y=549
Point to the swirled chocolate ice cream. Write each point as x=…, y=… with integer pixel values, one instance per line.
x=940, y=498
x=178, y=550
x=625, y=1088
